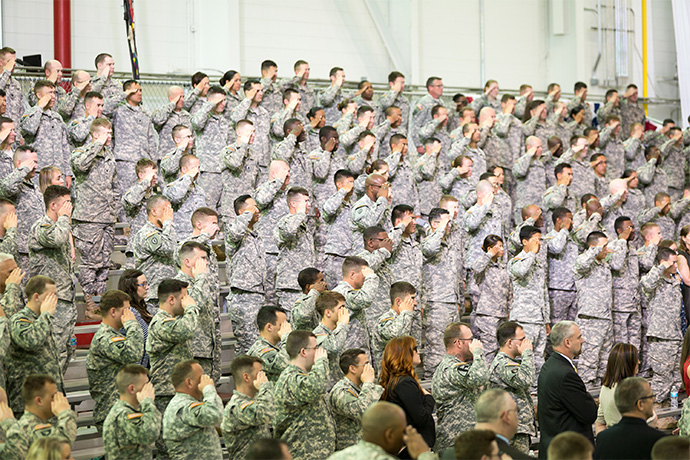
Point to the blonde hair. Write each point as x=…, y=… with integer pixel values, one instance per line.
x=45, y=177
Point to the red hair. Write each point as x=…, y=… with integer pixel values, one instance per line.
x=397, y=363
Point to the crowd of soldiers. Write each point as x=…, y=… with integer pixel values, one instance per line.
x=345, y=220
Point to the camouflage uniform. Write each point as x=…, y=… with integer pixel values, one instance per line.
x=329, y=100
x=631, y=113
x=303, y=419
x=304, y=166
x=407, y=263
x=189, y=426
x=492, y=308
x=562, y=252
x=30, y=428
x=674, y=164
x=421, y=115
x=59, y=95
x=109, y=352
x=105, y=85
x=358, y=302
x=480, y=222
x=372, y=451
x=401, y=175
x=278, y=119
x=390, y=325
x=186, y=195
x=456, y=386
x=134, y=137
x=335, y=213
x=247, y=419
x=95, y=212
x=274, y=357
x=304, y=314
x=294, y=236
x=577, y=102
x=47, y=134
x=653, y=180
x=247, y=279
x=164, y=120
x=262, y=126
x=32, y=351
x=529, y=171
x=555, y=197
x=530, y=301
x=634, y=153
x=193, y=101
x=426, y=170
x=583, y=174
x=154, y=251
x=664, y=299
x=71, y=105
x=50, y=255
x=134, y=204
x=204, y=344
x=14, y=98
x=239, y=174
x=333, y=341
x=129, y=432
x=170, y=164
x=212, y=136
x=614, y=150
x=394, y=99
x=442, y=295
x=594, y=283
x=434, y=129
x=348, y=403
x=627, y=319
x=516, y=377
x=12, y=300
x=367, y=213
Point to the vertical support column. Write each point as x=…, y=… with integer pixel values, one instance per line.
x=644, y=52
x=62, y=32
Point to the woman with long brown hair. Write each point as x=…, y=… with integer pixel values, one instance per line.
x=402, y=387
x=133, y=282
x=624, y=362
x=685, y=362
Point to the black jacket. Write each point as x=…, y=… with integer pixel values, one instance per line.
x=418, y=407
x=631, y=438
x=564, y=404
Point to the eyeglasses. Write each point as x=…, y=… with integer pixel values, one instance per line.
x=311, y=348
x=465, y=340
x=144, y=284
x=647, y=397
x=520, y=339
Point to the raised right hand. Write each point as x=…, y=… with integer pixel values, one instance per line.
x=187, y=301
x=368, y=374
x=260, y=378
x=146, y=392
x=525, y=345
x=366, y=271
x=205, y=382
x=320, y=353
x=10, y=220
x=285, y=328
x=476, y=343
x=127, y=315
x=49, y=303
x=15, y=277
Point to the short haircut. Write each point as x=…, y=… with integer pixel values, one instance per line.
x=467, y=127
x=128, y=375
x=289, y=92
x=239, y=202
x=396, y=139
x=618, y=224
x=551, y=87
x=560, y=331
x=490, y=405
x=268, y=314
x=431, y=141
x=506, y=331
x=594, y=237
x=327, y=132
x=372, y=232
x=328, y=300
x=37, y=285
x=560, y=167
x=401, y=289
x=128, y=84
x=586, y=197
x=177, y=128
x=267, y=64
x=197, y=77
x=579, y=85
x=430, y=81
x=391, y=110
x=560, y=213
x=201, y=213
x=528, y=231
x=99, y=58
x=243, y=364
x=569, y=445
x=334, y=70
x=169, y=287
x=188, y=248
x=34, y=385
x=452, y=332
x=155, y=201
x=187, y=159
x=144, y=163
x=353, y=263
x=4, y=120
x=53, y=192
x=313, y=111
x=474, y=444
x=264, y=448
x=364, y=109
x=507, y=97
x=40, y=84
x=296, y=191
x=88, y=97
x=665, y=254
x=436, y=109
x=645, y=228
x=394, y=75
x=491, y=241
x=182, y=371
x=113, y=298
x=486, y=175
x=342, y=174
x=215, y=89
x=99, y=123
x=298, y=63
x=307, y=276
x=671, y=448
x=399, y=211
x=350, y=357
x=297, y=340
x=436, y=213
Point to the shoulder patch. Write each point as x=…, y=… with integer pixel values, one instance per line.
x=245, y=405
x=420, y=106
x=548, y=192
x=196, y=404
x=135, y=415
x=119, y=338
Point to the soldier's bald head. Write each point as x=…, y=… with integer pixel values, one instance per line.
x=277, y=166
x=485, y=113
x=381, y=417
x=529, y=211
x=484, y=187
x=79, y=76
x=532, y=141
x=618, y=186
x=173, y=91
x=375, y=179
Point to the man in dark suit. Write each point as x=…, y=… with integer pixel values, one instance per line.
x=497, y=411
x=631, y=438
x=564, y=404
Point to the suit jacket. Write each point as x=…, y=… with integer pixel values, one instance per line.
x=631, y=438
x=506, y=448
x=564, y=404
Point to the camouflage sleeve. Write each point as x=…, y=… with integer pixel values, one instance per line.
x=190, y=99
x=567, y=157
x=181, y=328
x=265, y=194
x=335, y=342
x=303, y=312
x=52, y=236
x=684, y=422
x=29, y=335
x=555, y=196
x=666, y=148
x=332, y=204
x=200, y=118
x=556, y=241
x=177, y=191
x=483, y=136
x=152, y=141
x=469, y=199
x=471, y=375
x=518, y=376
x=11, y=300
x=98, y=82
x=4, y=335
x=321, y=163
x=478, y=103
x=135, y=196
x=428, y=129
x=678, y=208
x=17, y=441
x=126, y=350
x=521, y=166
x=8, y=245
x=350, y=136
x=308, y=388
x=288, y=227
x=362, y=217
x=356, y=161
x=208, y=412
x=111, y=103
x=631, y=145
x=358, y=300
x=275, y=361
x=605, y=136
x=344, y=124
x=82, y=159
x=530, y=127
x=587, y=227
x=257, y=412
x=382, y=129
x=240, y=111
x=285, y=149
x=648, y=215
x=425, y=168
x=651, y=281
x=646, y=256
x=377, y=258
x=646, y=172
x=475, y=215
x=514, y=241
x=67, y=425
x=236, y=231
x=396, y=236
x=161, y=115
x=166, y=243
x=431, y=245
x=390, y=327
x=141, y=428
x=620, y=252
x=585, y=261
x=447, y=180
x=170, y=164
x=31, y=120
x=480, y=264
x=5, y=79
x=393, y=162
x=347, y=404
x=233, y=156
x=328, y=95
x=387, y=99
x=502, y=124
x=278, y=121
x=78, y=130
x=66, y=105
x=519, y=267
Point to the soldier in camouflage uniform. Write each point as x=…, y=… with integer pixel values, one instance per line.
x=133, y=423
x=634, y=147
x=274, y=330
x=134, y=200
x=371, y=210
x=611, y=145
x=79, y=129
x=71, y=106
x=661, y=289
x=110, y=350
x=331, y=332
x=44, y=129
x=190, y=420
x=248, y=414
x=50, y=254
x=103, y=83
x=631, y=112
x=292, y=101
x=562, y=252
x=8, y=228
x=11, y=300
x=651, y=175
x=394, y=97
x=529, y=171
x=239, y=167
x=304, y=314
x=559, y=195
x=250, y=109
x=303, y=419
x=32, y=348
x=212, y=136
x=674, y=163
x=421, y=113
x=186, y=195
x=168, y=117
x=14, y=98
x=183, y=144
x=54, y=419
x=196, y=98
x=397, y=321
x=294, y=236
x=134, y=136
x=352, y=395
x=95, y=209
x=513, y=371
x=459, y=379
x=626, y=313
x=577, y=156
x=457, y=181
x=427, y=168
x=154, y=245
x=594, y=283
x=401, y=173
x=194, y=271
x=665, y=214
x=332, y=96
x=336, y=216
